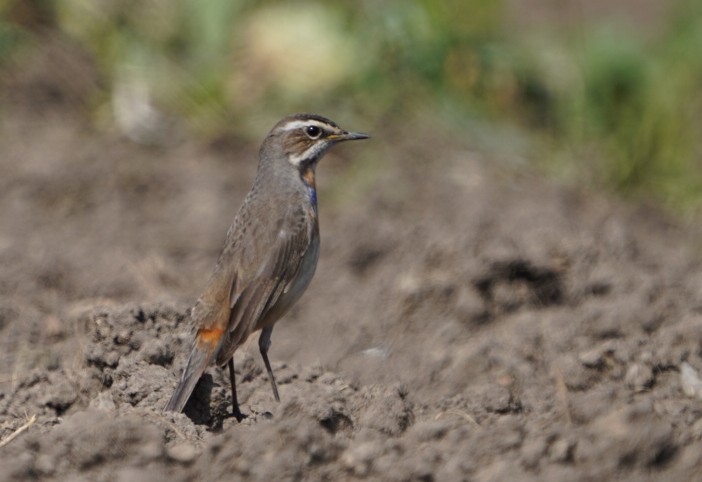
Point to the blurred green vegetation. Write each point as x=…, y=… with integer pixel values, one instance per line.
x=614, y=104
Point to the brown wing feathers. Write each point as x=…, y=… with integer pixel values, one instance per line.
x=263, y=291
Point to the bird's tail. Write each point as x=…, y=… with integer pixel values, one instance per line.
x=200, y=357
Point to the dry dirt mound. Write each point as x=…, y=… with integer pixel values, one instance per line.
x=461, y=326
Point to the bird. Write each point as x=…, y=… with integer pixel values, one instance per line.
x=269, y=256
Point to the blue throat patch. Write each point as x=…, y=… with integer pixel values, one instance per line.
x=313, y=196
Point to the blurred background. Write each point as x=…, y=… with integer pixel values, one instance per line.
x=607, y=93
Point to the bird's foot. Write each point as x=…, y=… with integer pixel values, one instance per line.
x=238, y=415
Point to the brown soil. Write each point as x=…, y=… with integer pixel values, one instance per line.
x=462, y=325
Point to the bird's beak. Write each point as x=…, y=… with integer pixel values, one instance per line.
x=347, y=136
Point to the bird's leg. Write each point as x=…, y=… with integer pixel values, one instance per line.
x=236, y=412
x=264, y=343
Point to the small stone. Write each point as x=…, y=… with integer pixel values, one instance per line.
x=562, y=451
x=690, y=381
x=123, y=337
x=184, y=453
x=496, y=399
x=112, y=359
x=409, y=284
x=592, y=358
x=103, y=401
x=639, y=377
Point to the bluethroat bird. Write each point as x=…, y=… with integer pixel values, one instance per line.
x=269, y=256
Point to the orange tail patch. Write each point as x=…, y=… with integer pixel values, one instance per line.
x=210, y=337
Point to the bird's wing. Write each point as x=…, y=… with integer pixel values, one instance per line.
x=253, y=296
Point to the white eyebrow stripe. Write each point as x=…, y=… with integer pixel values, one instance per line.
x=302, y=123
x=309, y=153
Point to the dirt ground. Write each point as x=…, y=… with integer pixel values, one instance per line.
x=465, y=322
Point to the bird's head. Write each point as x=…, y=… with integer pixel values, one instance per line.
x=303, y=139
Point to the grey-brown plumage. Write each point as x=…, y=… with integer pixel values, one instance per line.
x=270, y=253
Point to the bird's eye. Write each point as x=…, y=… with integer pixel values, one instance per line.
x=313, y=132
